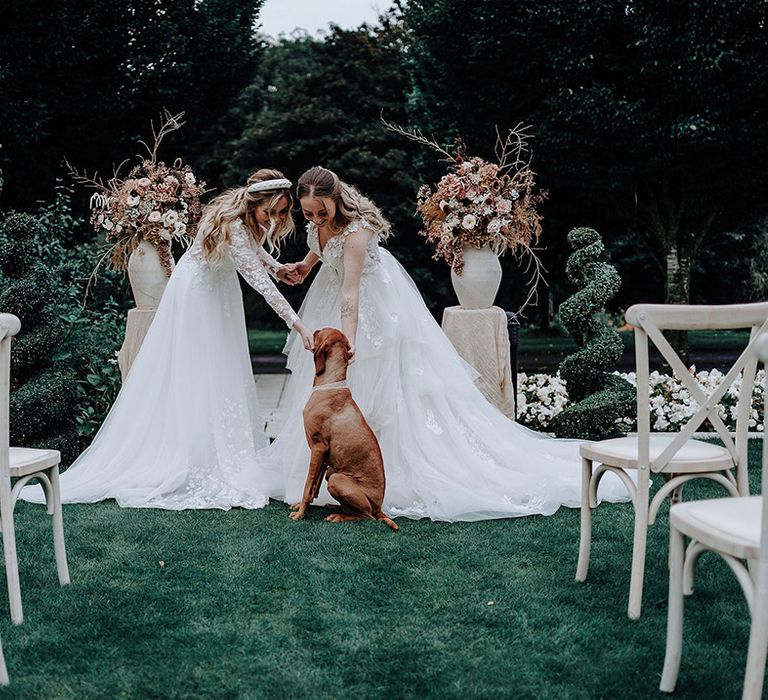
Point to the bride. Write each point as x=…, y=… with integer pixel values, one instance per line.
x=185, y=428
x=449, y=454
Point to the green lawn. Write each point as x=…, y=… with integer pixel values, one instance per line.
x=248, y=604
x=534, y=341
x=266, y=342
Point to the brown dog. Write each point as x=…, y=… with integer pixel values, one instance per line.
x=341, y=441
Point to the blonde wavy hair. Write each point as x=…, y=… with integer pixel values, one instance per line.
x=350, y=204
x=215, y=227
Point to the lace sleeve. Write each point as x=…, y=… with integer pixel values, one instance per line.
x=271, y=265
x=249, y=264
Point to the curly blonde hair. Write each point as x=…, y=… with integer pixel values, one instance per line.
x=350, y=204
x=220, y=213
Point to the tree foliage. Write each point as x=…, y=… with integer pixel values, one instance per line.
x=82, y=79
x=652, y=117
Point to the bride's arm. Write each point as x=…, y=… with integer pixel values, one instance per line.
x=250, y=266
x=270, y=264
x=354, y=258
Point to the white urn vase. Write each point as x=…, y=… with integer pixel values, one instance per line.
x=477, y=285
x=146, y=275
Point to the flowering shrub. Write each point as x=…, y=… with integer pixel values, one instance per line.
x=156, y=203
x=479, y=203
x=540, y=397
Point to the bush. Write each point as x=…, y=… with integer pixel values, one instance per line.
x=600, y=400
x=64, y=374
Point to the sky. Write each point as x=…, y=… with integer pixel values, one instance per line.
x=286, y=15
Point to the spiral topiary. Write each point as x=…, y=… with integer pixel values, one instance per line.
x=599, y=399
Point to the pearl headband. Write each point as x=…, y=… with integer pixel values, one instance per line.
x=279, y=184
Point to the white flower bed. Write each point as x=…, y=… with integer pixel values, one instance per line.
x=540, y=397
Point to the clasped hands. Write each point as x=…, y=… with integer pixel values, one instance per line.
x=293, y=273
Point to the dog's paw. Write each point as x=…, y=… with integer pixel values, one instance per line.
x=297, y=514
x=295, y=506
x=335, y=518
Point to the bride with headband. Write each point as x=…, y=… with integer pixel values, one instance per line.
x=185, y=427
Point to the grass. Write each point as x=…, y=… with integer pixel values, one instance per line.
x=535, y=341
x=248, y=604
x=266, y=342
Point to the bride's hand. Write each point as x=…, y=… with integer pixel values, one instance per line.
x=289, y=275
x=306, y=335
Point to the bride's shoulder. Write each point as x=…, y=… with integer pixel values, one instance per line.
x=359, y=229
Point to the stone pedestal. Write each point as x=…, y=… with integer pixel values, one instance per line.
x=480, y=336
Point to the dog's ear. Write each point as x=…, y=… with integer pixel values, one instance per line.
x=320, y=354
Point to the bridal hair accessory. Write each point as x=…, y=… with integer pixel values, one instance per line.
x=279, y=184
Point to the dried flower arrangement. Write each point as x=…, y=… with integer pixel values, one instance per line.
x=479, y=203
x=156, y=203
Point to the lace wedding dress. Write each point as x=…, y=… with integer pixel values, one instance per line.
x=448, y=453
x=186, y=426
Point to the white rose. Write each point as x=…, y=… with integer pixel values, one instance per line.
x=132, y=200
x=494, y=227
x=179, y=229
x=468, y=222
x=108, y=224
x=155, y=216
x=166, y=234
x=170, y=218
x=144, y=182
x=189, y=178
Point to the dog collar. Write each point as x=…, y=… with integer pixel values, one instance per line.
x=334, y=385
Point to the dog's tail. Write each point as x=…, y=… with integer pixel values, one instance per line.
x=387, y=521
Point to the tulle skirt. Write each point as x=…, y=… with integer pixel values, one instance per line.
x=186, y=425
x=449, y=454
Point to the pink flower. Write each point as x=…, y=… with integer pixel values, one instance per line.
x=503, y=207
x=144, y=182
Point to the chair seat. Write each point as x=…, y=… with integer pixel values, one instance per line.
x=730, y=525
x=693, y=456
x=27, y=460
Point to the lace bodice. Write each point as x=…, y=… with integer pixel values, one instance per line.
x=333, y=253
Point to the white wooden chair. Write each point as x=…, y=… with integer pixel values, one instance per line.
x=737, y=530
x=19, y=465
x=675, y=456
x=4, y=680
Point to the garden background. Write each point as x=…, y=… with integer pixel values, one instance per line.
x=651, y=124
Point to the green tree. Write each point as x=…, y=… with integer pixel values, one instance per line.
x=82, y=79
x=651, y=116
x=319, y=101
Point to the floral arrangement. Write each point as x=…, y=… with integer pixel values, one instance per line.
x=542, y=396
x=157, y=203
x=479, y=203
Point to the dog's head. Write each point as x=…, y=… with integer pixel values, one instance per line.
x=329, y=342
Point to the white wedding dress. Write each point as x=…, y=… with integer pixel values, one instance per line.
x=186, y=425
x=448, y=454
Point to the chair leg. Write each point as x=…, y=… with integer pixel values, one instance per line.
x=11, y=563
x=638, y=556
x=758, y=636
x=675, y=611
x=3, y=668
x=585, y=541
x=57, y=518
